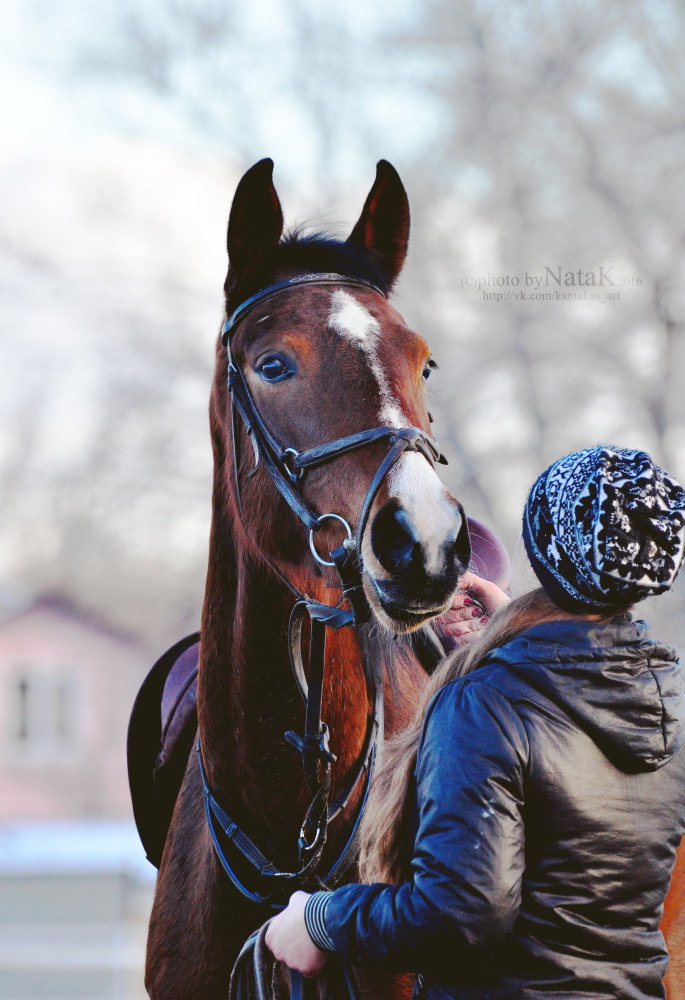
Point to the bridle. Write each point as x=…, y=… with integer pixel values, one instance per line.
x=287, y=467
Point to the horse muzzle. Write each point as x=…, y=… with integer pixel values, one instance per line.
x=413, y=559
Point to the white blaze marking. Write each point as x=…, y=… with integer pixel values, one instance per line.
x=350, y=320
x=412, y=479
x=418, y=487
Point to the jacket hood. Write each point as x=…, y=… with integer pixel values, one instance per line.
x=623, y=688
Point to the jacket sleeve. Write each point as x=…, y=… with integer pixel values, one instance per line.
x=468, y=858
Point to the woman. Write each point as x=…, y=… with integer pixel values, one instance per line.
x=528, y=822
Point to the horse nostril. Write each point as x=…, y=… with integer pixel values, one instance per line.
x=394, y=539
x=462, y=545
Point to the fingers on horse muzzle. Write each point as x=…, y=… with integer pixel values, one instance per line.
x=422, y=571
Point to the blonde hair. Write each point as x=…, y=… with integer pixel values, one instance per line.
x=385, y=848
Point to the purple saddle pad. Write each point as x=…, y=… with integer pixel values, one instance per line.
x=160, y=737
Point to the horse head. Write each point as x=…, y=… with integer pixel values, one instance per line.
x=320, y=355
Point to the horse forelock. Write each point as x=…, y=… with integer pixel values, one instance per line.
x=300, y=252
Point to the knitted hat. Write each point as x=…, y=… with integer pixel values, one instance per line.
x=604, y=528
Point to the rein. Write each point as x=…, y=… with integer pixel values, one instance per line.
x=253, y=975
x=287, y=467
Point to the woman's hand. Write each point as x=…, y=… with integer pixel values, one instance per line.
x=471, y=608
x=487, y=594
x=288, y=938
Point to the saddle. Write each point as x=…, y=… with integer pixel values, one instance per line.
x=162, y=730
x=163, y=722
x=160, y=737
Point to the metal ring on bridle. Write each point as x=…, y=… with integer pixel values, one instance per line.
x=337, y=517
x=293, y=473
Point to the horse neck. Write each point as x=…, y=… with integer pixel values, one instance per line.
x=247, y=698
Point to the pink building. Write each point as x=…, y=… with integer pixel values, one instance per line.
x=67, y=686
x=75, y=888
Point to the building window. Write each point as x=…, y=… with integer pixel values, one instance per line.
x=22, y=714
x=42, y=711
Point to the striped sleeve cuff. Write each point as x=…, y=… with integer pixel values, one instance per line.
x=315, y=920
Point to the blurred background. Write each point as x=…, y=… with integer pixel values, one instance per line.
x=542, y=146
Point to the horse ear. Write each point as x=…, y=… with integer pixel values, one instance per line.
x=256, y=220
x=383, y=226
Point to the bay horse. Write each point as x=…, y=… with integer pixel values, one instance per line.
x=326, y=499
x=325, y=358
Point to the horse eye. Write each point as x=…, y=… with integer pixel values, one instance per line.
x=274, y=369
x=430, y=365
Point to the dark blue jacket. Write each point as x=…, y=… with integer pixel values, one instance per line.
x=550, y=799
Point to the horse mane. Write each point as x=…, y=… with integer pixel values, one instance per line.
x=309, y=252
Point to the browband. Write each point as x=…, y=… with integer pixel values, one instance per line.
x=282, y=286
